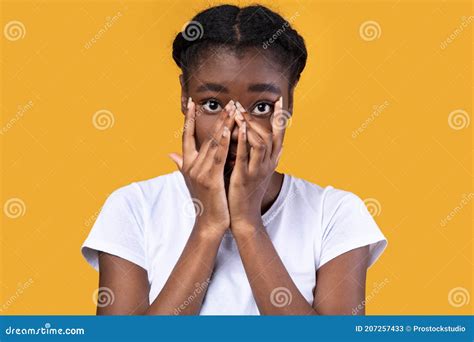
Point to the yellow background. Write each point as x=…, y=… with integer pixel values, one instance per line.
x=408, y=158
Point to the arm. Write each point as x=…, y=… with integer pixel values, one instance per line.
x=341, y=282
x=203, y=175
x=340, y=285
x=129, y=284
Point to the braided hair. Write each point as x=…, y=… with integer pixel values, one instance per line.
x=237, y=29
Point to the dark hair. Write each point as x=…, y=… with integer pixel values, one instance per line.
x=236, y=28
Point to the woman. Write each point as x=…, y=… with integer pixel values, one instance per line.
x=259, y=242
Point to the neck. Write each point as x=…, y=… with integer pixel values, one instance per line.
x=273, y=189
x=271, y=193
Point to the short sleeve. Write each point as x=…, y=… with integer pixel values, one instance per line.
x=118, y=229
x=347, y=224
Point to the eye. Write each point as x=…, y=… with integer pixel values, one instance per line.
x=212, y=106
x=262, y=109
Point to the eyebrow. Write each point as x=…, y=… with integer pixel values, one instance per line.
x=212, y=87
x=254, y=88
x=264, y=87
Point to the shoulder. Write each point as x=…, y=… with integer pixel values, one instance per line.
x=144, y=191
x=328, y=198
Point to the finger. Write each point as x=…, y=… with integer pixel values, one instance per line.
x=265, y=135
x=239, y=118
x=177, y=159
x=213, y=139
x=189, y=139
x=278, y=128
x=257, y=149
x=217, y=152
x=216, y=158
x=261, y=131
x=241, y=160
x=258, y=145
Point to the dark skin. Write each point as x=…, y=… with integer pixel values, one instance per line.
x=231, y=146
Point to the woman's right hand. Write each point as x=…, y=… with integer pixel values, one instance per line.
x=203, y=171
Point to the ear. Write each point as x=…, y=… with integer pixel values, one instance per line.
x=184, y=95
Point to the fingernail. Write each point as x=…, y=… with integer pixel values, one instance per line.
x=226, y=132
x=244, y=127
x=240, y=107
x=190, y=99
x=232, y=112
x=281, y=101
x=239, y=116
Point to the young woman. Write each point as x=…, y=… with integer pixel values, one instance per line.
x=259, y=242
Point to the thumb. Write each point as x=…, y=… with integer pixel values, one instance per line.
x=177, y=159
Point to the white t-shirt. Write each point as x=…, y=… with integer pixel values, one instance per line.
x=149, y=222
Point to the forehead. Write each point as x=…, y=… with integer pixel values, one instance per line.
x=236, y=71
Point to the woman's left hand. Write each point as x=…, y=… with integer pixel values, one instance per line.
x=253, y=171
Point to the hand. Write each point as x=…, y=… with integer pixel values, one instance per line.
x=252, y=171
x=203, y=170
